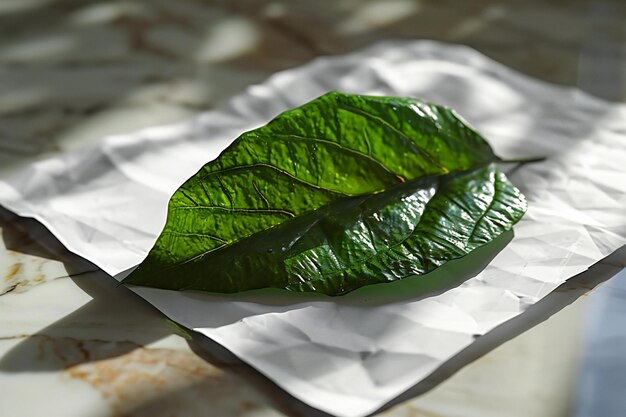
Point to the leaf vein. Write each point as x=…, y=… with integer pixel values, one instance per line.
x=256, y=188
x=388, y=125
x=484, y=214
x=236, y=210
x=226, y=192
x=203, y=235
x=258, y=165
x=367, y=157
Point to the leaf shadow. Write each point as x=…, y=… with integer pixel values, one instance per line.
x=413, y=288
x=446, y=277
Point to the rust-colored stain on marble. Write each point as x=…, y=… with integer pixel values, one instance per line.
x=12, y=271
x=138, y=381
x=26, y=271
x=146, y=379
x=410, y=410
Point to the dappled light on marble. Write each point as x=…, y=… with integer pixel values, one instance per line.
x=48, y=48
x=228, y=39
x=378, y=13
x=105, y=13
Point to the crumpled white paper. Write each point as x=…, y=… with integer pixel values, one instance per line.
x=350, y=355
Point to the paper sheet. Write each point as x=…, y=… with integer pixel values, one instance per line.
x=350, y=355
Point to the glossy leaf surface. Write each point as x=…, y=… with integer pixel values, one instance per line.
x=341, y=192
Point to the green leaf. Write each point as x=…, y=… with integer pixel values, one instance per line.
x=341, y=192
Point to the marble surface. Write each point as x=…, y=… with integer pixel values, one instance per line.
x=74, y=71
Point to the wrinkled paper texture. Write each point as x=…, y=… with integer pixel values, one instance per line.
x=350, y=355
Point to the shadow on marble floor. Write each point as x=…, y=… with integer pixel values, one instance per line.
x=111, y=307
x=28, y=236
